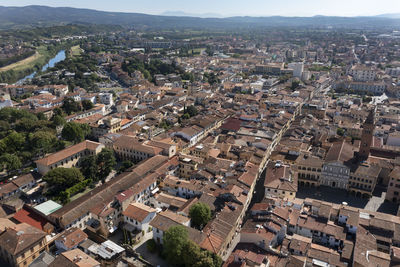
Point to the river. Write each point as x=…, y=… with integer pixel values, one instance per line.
x=52, y=62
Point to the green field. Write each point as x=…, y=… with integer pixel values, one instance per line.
x=76, y=50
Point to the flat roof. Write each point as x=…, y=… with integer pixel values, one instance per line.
x=48, y=207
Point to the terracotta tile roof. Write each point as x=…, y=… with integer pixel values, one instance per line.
x=23, y=180
x=20, y=238
x=76, y=258
x=31, y=218
x=72, y=237
x=132, y=143
x=171, y=200
x=138, y=211
x=7, y=188
x=135, y=180
x=340, y=151
x=69, y=151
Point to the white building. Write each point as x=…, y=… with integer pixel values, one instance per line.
x=298, y=68
x=138, y=216
x=106, y=99
x=362, y=73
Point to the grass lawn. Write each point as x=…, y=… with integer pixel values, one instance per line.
x=21, y=63
x=198, y=50
x=115, y=89
x=76, y=50
x=88, y=189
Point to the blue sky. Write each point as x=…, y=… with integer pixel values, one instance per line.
x=230, y=7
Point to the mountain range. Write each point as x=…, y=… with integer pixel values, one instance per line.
x=186, y=14
x=34, y=16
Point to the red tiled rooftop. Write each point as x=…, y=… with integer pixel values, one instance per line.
x=31, y=218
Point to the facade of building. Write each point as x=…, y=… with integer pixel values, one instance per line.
x=363, y=181
x=336, y=170
x=22, y=244
x=393, y=189
x=367, y=136
x=138, y=216
x=280, y=181
x=68, y=157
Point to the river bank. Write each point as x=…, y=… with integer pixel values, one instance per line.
x=24, y=68
x=60, y=56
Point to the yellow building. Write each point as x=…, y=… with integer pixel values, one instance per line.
x=21, y=244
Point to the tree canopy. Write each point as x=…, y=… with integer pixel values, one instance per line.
x=174, y=241
x=98, y=167
x=87, y=104
x=200, y=214
x=60, y=179
x=70, y=106
x=180, y=250
x=75, y=132
x=89, y=167
x=105, y=161
x=10, y=162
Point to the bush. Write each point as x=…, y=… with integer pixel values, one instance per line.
x=79, y=187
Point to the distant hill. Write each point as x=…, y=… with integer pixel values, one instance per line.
x=185, y=14
x=390, y=16
x=33, y=16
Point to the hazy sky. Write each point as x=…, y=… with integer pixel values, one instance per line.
x=230, y=7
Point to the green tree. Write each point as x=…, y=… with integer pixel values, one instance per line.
x=126, y=164
x=41, y=116
x=58, y=120
x=192, y=252
x=89, y=167
x=105, y=162
x=14, y=142
x=340, y=131
x=25, y=125
x=295, y=85
x=186, y=116
x=75, y=132
x=10, y=162
x=42, y=142
x=181, y=251
x=191, y=110
x=58, y=111
x=59, y=179
x=207, y=259
x=87, y=104
x=4, y=126
x=175, y=239
x=200, y=214
x=70, y=106
x=151, y=245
